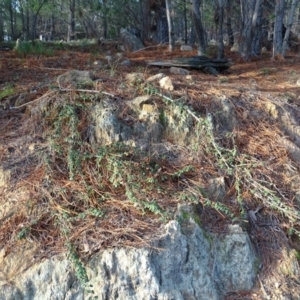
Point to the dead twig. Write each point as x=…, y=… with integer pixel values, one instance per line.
x=33, y=101
x=87, y=91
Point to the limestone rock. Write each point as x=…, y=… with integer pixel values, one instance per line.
x=217, y=188
x=166, y=83
x=134, y=78
x=179, y=71
x=98, y=63
x=235, y=48
x=125, y=62
x=138, y=102
x=189, y=264
x=107, y=128
x=227, y=119
x=130, y=41
x=155, y=77
x=75, y=79
x=186, y=48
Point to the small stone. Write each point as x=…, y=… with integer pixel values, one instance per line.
x=148, y=108
x=188, y=77
x=31, y=147
x=109, y=58
x=298, y=82
x=234, y=48
x=179, y=71
x=125, y=62
x=155, y=77
x=134, y=77
x=166, y=83
x=264, y=50
x=139, y=101
x=98, y=63
x=186, y=48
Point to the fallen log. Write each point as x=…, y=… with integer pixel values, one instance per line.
x=208, y=65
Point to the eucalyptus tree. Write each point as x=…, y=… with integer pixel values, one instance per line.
x=228, y=14
x=170, y=24
x=251, y=28
x=219, y=22
x=278, y=27
x=198, y=27
x=289, y=26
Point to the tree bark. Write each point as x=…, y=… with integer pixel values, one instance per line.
x=278, y=26
x=71, y=23
x=199, y=30
x=228, y=23
x=251, y=28
x=34, y=20
x=289, y=26
x=161, y=23
x=170, y=25
x=11, y=18
x=145, y=20
x=220, y=29
x=185, y=22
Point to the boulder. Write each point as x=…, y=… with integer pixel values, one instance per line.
x=130, y=41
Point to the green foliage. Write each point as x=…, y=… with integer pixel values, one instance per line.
x=6, y=91
x=78, y=266
x=229, y=162
x=67, y=123
x=36, y=48
x=267, y=71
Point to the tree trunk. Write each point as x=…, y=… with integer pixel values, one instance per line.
x=219, y=22
x=71, y=23
x=251, y=29
x=170, y=25
x=52, y=27
x=1, y=26
x=289, y=26
x=185, y=23
x=161, y=24
x=199, y=30
x=228, y=23
x=278, y=27
x=104, y=12
x=145, y=20
x=34, y=20
x=11, y=18
x=257, y=22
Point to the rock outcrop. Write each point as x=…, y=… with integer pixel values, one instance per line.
x=185, y=263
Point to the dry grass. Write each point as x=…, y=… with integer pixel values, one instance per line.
x=54, y=203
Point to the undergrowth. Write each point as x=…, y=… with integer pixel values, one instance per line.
x=241, y=167
x=107, y=195
x=89, y=196
x=37, y=48
x=6, y=91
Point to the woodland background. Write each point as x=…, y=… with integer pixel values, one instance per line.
x=251, y=24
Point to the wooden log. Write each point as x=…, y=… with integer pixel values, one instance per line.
x=208, y=65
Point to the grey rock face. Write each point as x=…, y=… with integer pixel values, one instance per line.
x=75, y=79
x=185, y=263
x=130, y=41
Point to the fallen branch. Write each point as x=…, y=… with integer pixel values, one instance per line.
x=87, y=91
x=33, y=101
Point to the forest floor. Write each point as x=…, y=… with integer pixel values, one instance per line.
x=268, y=84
